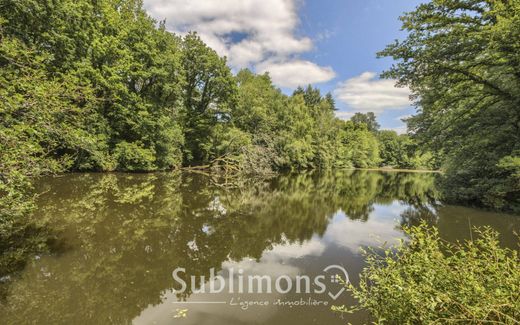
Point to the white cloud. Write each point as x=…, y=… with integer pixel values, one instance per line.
x=248, y=32
x=285, y=252
x=296, y=73
x=344, y=115
x=365, y=93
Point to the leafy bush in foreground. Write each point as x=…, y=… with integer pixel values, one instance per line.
x=428, y=280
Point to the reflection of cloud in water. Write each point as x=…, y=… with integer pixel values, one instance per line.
x=350, y=234
x=263, y=267
x=201, y=314
x=274, y=263
x=390, y=211
x=211, y=313
x=284, y=252
x=379, y=228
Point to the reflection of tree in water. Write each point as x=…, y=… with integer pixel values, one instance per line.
x=20, y=242
x=128, y=232
x=414, y=215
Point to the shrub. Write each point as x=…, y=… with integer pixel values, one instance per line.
x=428, y=280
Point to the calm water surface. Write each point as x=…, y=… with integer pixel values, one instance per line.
x=106, y=244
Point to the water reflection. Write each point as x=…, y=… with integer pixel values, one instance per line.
x=122, y=235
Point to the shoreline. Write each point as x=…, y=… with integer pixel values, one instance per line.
x=398, y=170
x=204, y=169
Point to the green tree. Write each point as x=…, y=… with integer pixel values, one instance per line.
x=461, y=61
x=391, y=149
x=402, y=151
x=360, y=145
x=369, y=119
x=210, y=95
x=258, y=102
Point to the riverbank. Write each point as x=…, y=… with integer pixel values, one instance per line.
x=386, y=169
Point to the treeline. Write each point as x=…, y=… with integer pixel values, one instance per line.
x=462, y=62
x=99, y=85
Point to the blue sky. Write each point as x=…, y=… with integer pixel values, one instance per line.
x=355, y=31
x=331, y=44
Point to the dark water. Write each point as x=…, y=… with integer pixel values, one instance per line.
x=105, y=245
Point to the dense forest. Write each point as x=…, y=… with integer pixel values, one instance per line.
x=100, y=86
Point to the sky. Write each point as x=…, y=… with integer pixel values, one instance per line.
x=331, y=44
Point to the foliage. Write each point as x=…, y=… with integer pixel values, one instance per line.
x=134, y=157
x=369, y=119
x=298, y=131
x=122, y=72
x=210, y=92
x=461, y=61
x=361, y=146
x=402, y=151
x=102, y=86
x=430, y=281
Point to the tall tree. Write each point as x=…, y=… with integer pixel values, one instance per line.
x=461, y=59
x=210, y=94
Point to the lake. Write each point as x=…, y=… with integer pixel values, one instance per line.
x=106, y=245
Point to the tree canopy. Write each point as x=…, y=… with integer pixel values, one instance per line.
x=369, y=119
x=102, y=86
x=461, y=59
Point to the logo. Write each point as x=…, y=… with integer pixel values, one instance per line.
x=337, y=278
x=330, y=282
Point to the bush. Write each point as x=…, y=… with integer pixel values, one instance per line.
x=428, y=280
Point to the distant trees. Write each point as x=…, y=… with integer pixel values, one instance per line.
x=462, y=62
x=359, y=145
x=298, y=131
x=402, y=151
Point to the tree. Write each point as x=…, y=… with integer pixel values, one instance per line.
x=360, y=146
x=210, y=94
x=330, y=100
x=461, y=61
x=402, y=151
x=258, y=103
x=391, y=148
x=369, y=119
x=131, y=65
